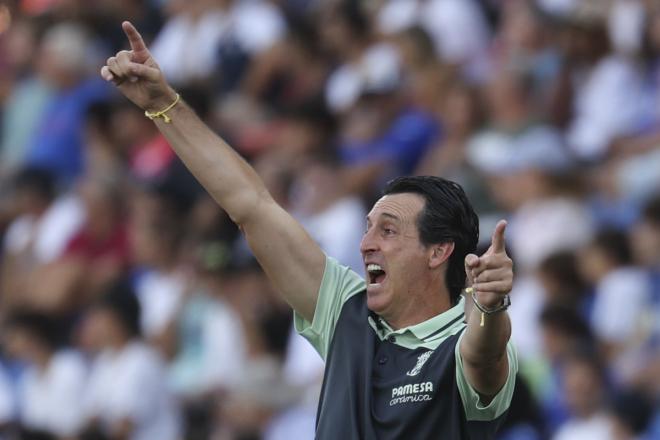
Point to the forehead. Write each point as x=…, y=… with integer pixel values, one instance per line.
x=403, y=206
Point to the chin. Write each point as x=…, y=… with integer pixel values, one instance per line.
x=378, y=300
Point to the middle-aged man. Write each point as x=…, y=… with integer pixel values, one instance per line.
x=400, y=360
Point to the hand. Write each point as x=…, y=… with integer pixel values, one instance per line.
x=491, y=275
x=137, y=75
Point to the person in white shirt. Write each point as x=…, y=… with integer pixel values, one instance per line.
x=252, y=27
x=37, y=236
x=622, y=298
x=51, y=386
x=604, y=88
x=584, y=390
x=127, y=396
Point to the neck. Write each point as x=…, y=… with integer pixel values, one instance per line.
x=42, y=358
x=422, y=307
x=513, y=117
x=118, y=342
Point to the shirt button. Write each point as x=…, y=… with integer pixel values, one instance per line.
x=392, y=339
x=382, y=360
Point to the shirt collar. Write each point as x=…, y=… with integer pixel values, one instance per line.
x=435, y=328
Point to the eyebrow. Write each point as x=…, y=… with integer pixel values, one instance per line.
x=386, y=214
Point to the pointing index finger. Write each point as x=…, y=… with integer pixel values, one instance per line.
x=497, y=243
x=140, y=51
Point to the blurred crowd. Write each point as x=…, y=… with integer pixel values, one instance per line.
x=130, y=305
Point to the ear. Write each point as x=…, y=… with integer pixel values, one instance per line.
x=439, y=254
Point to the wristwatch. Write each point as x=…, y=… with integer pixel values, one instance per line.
x=506, y=302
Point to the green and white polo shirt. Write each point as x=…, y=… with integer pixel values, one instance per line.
x=382, y=383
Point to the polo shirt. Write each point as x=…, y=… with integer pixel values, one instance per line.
x=381, y=383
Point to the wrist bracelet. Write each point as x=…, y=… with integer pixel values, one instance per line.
x=506, y=302
x=163, y=113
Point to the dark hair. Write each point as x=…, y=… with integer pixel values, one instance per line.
x=120, y=299
x=587, y=356
x=351, y=13
x=39, y=326
x=422, y=40
x=615, y=245
x=651, y=211
x=37, y=180
x=634, y=408
x=567, y=321
x=447, y=217
x=562, y=266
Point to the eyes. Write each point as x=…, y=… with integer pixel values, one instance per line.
x=386, y=230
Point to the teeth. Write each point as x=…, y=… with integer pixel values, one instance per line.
x=374, y=268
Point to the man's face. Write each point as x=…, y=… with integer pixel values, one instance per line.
x=98, y=329
x=396, y=262
x=19, y=343
x=645, y=240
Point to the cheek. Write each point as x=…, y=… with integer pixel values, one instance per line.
x=408, y=266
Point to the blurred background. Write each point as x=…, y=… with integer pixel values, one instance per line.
x=131, y=307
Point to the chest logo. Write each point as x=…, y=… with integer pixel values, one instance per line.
x=421, y=360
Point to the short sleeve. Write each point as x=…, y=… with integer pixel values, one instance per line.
x=474, y=409
x=338, y=285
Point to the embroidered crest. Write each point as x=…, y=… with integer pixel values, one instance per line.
x=421, y=360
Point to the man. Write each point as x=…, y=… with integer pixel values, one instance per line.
x=399, y=361
x=127, y=395
x=52, y=381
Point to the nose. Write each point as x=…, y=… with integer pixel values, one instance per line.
x=368, y=242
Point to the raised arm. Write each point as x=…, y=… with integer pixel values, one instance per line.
x=291, y=259
x=483, y=348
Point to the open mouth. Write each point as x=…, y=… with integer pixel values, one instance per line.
x=376, y=274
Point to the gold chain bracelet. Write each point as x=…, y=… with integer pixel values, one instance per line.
x=163, y=112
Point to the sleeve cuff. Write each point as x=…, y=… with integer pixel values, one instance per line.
x=475, y=410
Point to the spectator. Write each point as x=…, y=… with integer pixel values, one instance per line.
x=7, y=402
x=247, y=27
x=631, y=414
x=524, y=42
x=563, y=332
x=38, y=235
x=563, y=284
x=605, y=87
x=426, y=80
x=161, y=282
x=347, y=36
x=382, y=137
x=210, y=337
x=51, y=387
x=646, y=250
x=461, y=116
x=28, y=96
x=323, y=209
x=291, y=72
x=57, y=143
x=607, y=263
x=127, y=396
x=584, y=387
x=460, y=32
x=96, y=255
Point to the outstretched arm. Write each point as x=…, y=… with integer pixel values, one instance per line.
x=483, y=348
x=291, y=259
